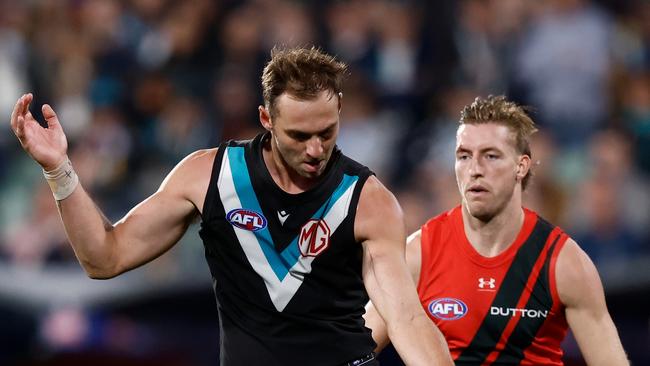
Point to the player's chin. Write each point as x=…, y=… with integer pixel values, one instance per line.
x=310, y=174
x=479, y=210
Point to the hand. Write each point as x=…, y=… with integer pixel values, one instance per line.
x=47, y=146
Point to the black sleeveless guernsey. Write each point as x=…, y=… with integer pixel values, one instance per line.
x=286, y=267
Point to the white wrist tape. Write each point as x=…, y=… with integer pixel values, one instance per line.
x=63, y=180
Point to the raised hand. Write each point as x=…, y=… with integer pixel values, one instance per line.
x=47, y=146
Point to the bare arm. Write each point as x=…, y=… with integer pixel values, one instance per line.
x=373, y=320
x=380, y=227
x=148, y=230
x=581, y=291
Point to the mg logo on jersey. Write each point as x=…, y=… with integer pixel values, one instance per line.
x=314, y=238
x=487, y=284
x=246, y=219
x=447, y=308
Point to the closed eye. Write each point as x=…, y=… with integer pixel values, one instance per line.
x=299, y=136
x=327, y=135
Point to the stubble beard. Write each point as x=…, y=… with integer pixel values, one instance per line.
x=487, y=210
x=296, y=166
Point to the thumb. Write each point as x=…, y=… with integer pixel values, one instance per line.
x=50, y=116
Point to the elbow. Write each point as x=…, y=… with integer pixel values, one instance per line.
x=100, y=273
x=102, y=267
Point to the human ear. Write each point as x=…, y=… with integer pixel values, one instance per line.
x=265, y=118
x=523, y=166
x=340, y=101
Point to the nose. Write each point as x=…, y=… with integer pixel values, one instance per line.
x=315, y=148
x=475, y=168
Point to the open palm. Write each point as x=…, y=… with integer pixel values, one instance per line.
x=47, y=146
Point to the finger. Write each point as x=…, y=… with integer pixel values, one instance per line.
x=14, y=113
x=19, y=129
x=50, y=116
x=18, y=108
x=27, y=99
x=25, y=132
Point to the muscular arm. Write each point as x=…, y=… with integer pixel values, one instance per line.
x=148, y=230
x=373, y=320
x=105, y=250
x=581, y=292
x=379, y=226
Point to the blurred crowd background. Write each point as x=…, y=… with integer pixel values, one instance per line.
x=139, y=84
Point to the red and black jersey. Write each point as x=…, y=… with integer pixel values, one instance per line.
x=503, y=310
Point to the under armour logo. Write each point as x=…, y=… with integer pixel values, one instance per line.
x=491, y=283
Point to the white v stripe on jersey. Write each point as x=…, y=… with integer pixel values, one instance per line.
x=281, y=289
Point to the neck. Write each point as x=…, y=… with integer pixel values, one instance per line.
x=492, y=237
x=283, y=175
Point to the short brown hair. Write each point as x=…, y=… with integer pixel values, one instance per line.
x=499, y=110
x=301, y=72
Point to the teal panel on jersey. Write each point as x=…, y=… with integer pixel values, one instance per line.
x=291, y=254
x=280, y=263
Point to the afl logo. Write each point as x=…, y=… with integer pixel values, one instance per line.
x=447, y=308
x=246, y=219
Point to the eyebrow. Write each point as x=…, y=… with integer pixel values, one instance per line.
x=462, y=149
x=326, y=129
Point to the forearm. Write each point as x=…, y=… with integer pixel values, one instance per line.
x=90, y=234
x=388, y=280
x=598, y=339
x=617, y=358
x=415, y=337
x=602, y=350
x=376, y=323
x=418, y=341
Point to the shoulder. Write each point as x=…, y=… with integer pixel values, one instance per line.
x=196, y=164
x=203, y=156
x=376, y=197
x=440, y=221
x=576, y=275
x=436, y=234
x=414, y=238
x=349, y=165
x=413, y=245
x=414, y=255
x=191, y=176
x=377, y=210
